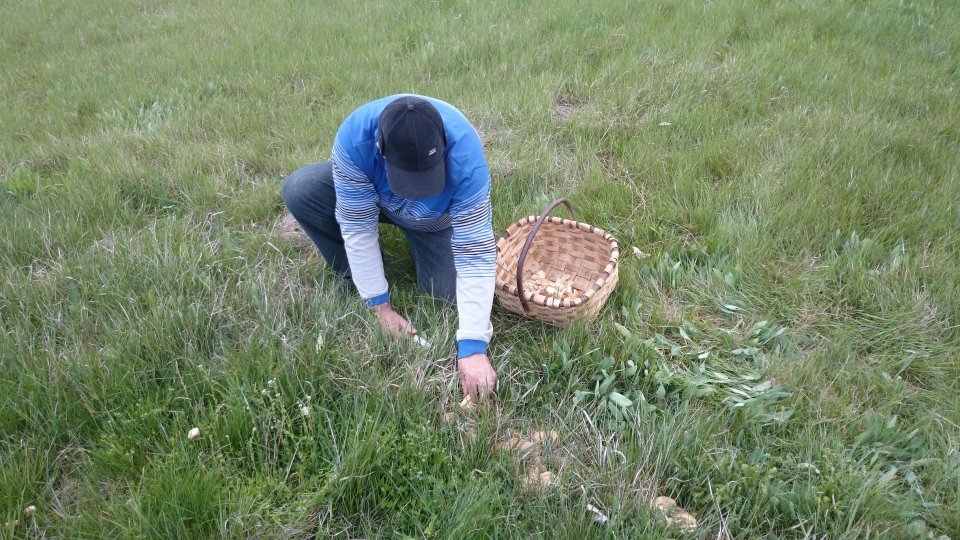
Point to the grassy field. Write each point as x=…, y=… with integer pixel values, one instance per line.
x=785, y=363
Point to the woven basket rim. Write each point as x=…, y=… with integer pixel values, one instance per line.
x=551, y=302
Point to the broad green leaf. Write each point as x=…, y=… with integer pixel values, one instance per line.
x=620, y=399
x=887, y=476
x=606, y=363
x=782, y=416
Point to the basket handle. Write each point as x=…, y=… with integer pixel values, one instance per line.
x=526, y=247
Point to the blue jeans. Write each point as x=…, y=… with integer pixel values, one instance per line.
x=312, y=200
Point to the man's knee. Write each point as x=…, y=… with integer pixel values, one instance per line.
x=291, y=193
x=297, y=193
x=309, y=189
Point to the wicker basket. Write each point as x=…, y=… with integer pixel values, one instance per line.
x=563, y=247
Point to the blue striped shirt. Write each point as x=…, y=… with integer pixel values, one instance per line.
x=360, y=180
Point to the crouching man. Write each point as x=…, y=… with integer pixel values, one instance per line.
x=416, y=163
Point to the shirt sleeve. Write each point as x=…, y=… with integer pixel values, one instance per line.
x=357, y=213
x=474, y=255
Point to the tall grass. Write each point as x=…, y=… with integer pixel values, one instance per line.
x=789, y=351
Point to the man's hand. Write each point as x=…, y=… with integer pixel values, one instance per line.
x=477, y=376
x=392, y=322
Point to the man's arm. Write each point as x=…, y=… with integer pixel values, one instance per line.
x=474, y=255
x=357, y=213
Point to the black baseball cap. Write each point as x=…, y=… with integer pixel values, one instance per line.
x=412, y=140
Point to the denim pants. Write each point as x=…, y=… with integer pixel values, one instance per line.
x=312, y=200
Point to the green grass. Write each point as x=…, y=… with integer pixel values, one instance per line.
x=789, y=162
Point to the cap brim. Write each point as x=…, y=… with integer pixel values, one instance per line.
x=417, y=184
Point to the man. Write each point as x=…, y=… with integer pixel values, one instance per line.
x=417, y=163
